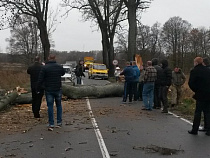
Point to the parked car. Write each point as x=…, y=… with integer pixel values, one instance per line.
x=69, y=74
x=97, y=70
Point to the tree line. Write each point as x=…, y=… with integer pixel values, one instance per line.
x=176, y=40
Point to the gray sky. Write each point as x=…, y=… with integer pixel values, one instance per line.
x=73, y=34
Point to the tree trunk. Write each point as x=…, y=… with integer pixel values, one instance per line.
x=78, y=92
x=132, y=29
x=25, y=98
x=111, y=57
x=6, y=100
x=44, y=38
x=105, y=48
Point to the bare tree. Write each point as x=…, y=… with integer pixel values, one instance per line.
x=105, y=14
x=24, y=39
x=173, y=31
x=37, y=9
x=133, y=6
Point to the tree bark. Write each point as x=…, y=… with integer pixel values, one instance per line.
x=6, y=100
x=132, y=29
x=78, y=92
x=44, y=38
x=25, y=98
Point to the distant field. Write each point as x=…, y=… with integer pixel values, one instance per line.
x=13, y=75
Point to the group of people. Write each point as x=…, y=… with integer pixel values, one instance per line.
x=157, y=78
x=152, y=84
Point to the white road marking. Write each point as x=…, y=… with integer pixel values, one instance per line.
x=185, y=120
x=180, y=118
x=102, y=145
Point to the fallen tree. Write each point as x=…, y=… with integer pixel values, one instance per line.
x=72, y=92
x=24, y=98
x=7, y=99
x=96, y=91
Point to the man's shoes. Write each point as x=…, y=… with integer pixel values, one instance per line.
x=193, y=132
x=173, y=105
x=208, y=133
x=58, y=125
x=50, y=127
x=202, y=130
x=123, y=102
x=164, y=111
x=146, y=109
x=37, y=116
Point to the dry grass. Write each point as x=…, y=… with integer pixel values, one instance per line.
x=11, y=79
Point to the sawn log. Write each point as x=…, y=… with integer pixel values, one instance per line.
x=96, y=91
x=7, y=99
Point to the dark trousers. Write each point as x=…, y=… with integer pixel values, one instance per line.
x=36, y=101
x=135, y=92
x=79, y=79
x=157, y=101
x=163, y=97
x=140, y=90
x=127, y=91
x=202, y=106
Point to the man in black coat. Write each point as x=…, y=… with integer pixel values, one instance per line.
x=34, y=71
x=166, y=77
x=199, y=82
x=157, y=102
x=50, y=75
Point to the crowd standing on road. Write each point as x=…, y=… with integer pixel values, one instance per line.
x=156, y=80
x=150, y=84
x=50, y=75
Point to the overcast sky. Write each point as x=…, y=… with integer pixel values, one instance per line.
x=73, y=34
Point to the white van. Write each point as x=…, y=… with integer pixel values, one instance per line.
x=69, y=74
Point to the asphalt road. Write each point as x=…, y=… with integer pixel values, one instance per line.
x=99, y=128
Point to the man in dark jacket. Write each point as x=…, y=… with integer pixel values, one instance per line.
x=166, y=77
x=178, y=79
x=157, y=102
x=207, y=64
x=51, y=76
x=79, y=72
x=199, y=82
x=128, y=72
x=34, y=71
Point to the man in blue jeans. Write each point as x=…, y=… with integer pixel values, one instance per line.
x=150, y=76
x=50, y=75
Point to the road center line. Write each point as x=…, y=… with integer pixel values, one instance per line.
x=101, y=143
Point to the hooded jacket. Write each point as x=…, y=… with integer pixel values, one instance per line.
x=178, y=78
x=166, y=75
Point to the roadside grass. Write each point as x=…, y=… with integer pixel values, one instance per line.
x=10, y=79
